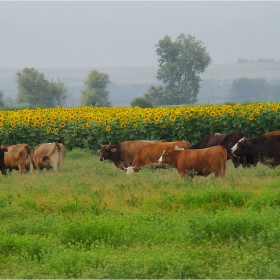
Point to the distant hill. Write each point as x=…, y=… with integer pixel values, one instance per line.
x=130, y=82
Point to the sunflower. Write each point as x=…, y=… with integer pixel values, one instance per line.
x=56, y=130
x=48, y=129
x=43, y=123
x=251, y=117
x=62, y=124
x=164, y=125
x=108, y=128
x=172, y=118
x=123, y=125
x=135, y=125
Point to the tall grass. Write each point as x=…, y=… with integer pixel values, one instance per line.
x=90, y=220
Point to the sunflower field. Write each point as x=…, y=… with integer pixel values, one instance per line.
x=85, y=127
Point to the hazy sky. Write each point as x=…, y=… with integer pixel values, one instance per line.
x=63, y=34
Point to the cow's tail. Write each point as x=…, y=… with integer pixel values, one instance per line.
x=29, y=164
x=225, y=159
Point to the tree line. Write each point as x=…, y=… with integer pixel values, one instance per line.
x=180, y=64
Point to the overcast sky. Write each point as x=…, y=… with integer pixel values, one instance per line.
x=63, y=34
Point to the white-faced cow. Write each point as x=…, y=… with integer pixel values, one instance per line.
x=148, y=155
x=227, y=141
x=19, y=157
x=49, y=155
x=123, y=154
x=265, y=148
x=201, y=161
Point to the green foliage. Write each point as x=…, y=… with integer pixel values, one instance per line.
x=35, y=90
x=250, y=90
x=141, y=102
x=180, y=63
x=90, y=220
x=95, y=92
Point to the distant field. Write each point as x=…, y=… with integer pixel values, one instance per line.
x=130, y=82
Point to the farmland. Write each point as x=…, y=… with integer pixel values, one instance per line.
x=90, y=220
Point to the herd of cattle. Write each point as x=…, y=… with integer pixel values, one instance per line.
x=24, y=158
x=209, y=155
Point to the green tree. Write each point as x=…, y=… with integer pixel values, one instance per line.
x=141, y=102
x=35, y=90
x=180, y=63
x=248, y=89
x=2, y=104
x=95, y=92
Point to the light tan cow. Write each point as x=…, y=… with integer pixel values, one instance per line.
x=19, y=157
x=49, y=155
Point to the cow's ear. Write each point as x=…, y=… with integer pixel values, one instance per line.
x=113, y=150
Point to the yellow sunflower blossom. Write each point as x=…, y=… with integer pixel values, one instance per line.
x=251, y=117
x=48, y=129
x=62, y=124
x=108, y=128
x=123, y=125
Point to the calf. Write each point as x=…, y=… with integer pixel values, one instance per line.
x=202, y=161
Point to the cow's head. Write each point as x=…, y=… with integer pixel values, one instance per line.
x=130, y=170
x=107, y=152
x=239, y=148
x=166, y=156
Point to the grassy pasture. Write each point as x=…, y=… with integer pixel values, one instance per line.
x=91, y=220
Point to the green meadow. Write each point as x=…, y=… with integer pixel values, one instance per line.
x=90, y=220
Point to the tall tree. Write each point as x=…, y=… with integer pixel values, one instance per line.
x=248, y=89
x=180, y=63
x=95, y=92
x=2, y=103
x=35, y=90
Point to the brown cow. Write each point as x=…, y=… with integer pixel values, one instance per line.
x=2, y=163
x=49, y=155
x=201, y=161
x=265, y=148
x=123, y=153
x=227, y=141
x=148, y=155
x=19, y=157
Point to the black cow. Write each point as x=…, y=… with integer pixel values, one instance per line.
x=227, y=141
x=265, y=148
x=2, y=163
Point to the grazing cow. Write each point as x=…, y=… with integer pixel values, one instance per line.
x=148, y=155
x=265, y=148
x=201, y=161
x=2, y=163
x=123, y=153
x=19, y=157
x=227, y=141
x=49, y=155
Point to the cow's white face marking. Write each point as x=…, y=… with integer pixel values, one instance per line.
x=160, y=160
x=177, y=148
x=234, y=148
x=129, y=170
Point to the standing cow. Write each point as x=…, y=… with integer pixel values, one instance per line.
x=148, y=155
x=227, y=141
x=265, y=148
x=49, y=155
x=2, y=163
x=123, y=153
x=202, y=161
x=19, y=157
